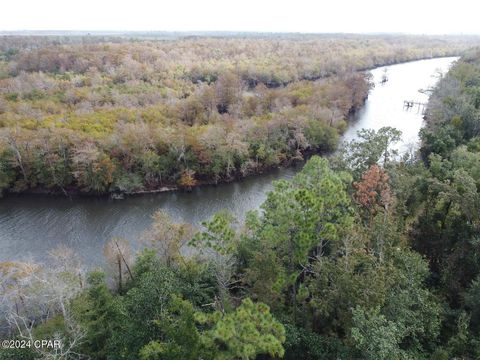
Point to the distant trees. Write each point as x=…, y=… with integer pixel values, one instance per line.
x=100, y=115
x=274, y=60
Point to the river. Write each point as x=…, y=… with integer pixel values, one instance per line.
x=32, y=225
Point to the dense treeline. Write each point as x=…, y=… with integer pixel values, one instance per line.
x=363, y=256
x=102, y=114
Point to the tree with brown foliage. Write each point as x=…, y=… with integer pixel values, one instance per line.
x=373, y=192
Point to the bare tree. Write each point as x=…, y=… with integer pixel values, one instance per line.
x=118, y=254
x=167, y=237
x=32, y=294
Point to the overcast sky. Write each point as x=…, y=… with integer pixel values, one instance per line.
x=409, y=16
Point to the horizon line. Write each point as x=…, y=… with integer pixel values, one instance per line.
x=230, y=32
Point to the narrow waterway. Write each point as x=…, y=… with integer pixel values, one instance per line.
x=32, y=225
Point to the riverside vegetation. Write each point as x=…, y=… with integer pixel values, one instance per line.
x=362, y=256
x=97, y=115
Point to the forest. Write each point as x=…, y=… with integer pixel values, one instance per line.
x=363, y=255
x=111, y=114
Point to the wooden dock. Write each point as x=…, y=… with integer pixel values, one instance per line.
x=409, y=104
x=412, y=103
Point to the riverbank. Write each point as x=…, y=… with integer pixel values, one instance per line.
x=75, y=193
